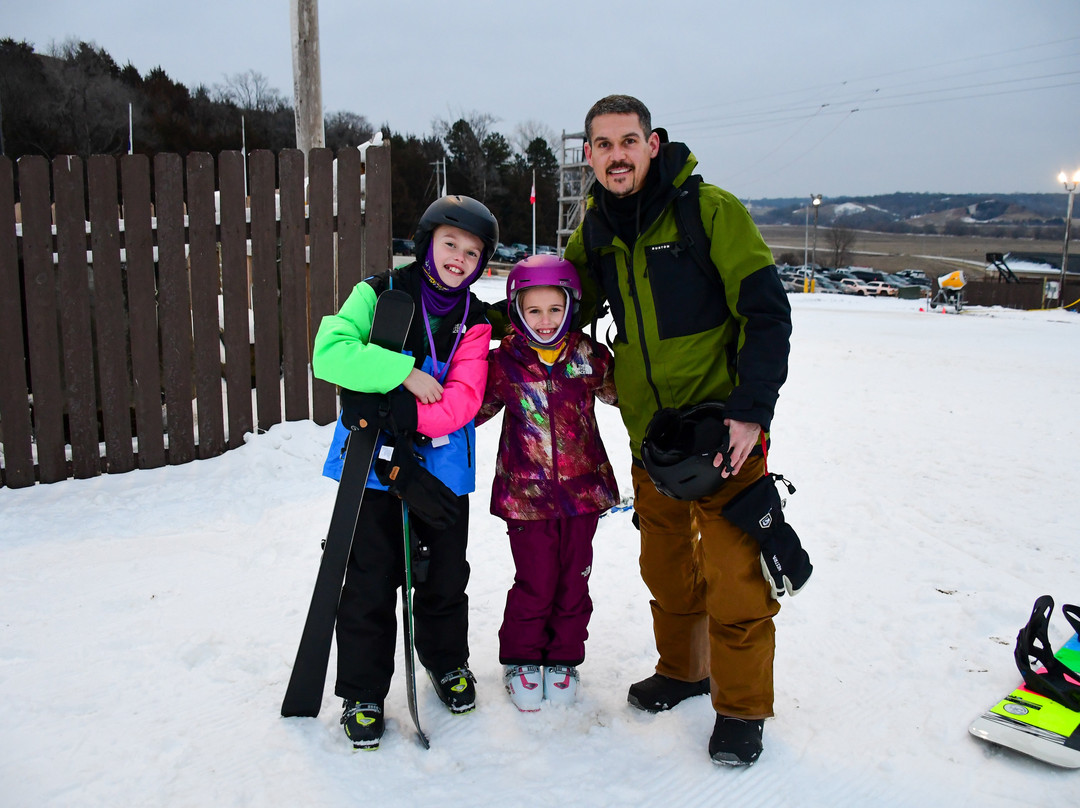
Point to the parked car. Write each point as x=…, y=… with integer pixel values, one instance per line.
x=827, y=287
x=880, y=288
x=916, y=275
x=402, y=246
x=505, y=254
x=868, y=274
x=912, y=277
x=856, y=285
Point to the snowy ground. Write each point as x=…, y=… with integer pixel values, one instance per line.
x=148, y=621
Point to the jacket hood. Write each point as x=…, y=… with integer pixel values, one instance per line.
x=671, y=167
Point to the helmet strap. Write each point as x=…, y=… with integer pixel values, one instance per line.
x=560, y=332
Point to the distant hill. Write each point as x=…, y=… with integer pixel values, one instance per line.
x=1015, y=215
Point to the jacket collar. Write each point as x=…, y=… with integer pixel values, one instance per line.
x=672, y=166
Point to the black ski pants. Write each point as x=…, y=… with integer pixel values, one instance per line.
x=367, y=612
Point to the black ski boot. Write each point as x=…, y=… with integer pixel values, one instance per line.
x=735, y=741
x=363, y=723
x=659, y=693
x=457, y=689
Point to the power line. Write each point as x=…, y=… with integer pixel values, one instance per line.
x=672, y=118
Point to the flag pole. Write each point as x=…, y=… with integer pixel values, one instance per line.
x=532, y=201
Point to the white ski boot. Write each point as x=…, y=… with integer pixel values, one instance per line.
x=525, y=684
x=561, y=684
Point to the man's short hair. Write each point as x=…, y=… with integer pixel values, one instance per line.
x=619, y=105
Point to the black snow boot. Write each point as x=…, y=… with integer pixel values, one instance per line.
x=735, y=741
x=363, y=723
x=457, y=689
x=659, y=693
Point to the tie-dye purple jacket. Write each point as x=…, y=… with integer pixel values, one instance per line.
x=551, y=461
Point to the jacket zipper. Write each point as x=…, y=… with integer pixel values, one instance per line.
x=641, y=324
x=551, y=426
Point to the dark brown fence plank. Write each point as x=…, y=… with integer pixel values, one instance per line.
x=235, y=299
x=174, y=307
x=321, y=273
x=14, y=400
x=205, y=284
x=75, y=317
x=350, y=222
x=378, y=223
x=43, y=329
x=73, y=283
x=109, y=316
x=293, y=285
x=142, y=310
x=264, y=289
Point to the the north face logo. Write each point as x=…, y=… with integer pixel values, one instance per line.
x=766, y=521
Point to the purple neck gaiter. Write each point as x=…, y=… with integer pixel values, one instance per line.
x=438, y=298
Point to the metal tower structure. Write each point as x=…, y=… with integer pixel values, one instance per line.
x=575, y=180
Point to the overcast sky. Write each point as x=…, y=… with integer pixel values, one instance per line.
x=774, y=98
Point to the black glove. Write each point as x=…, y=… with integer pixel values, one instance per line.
x=758, y=511
x=394, y=412
x=422, y=491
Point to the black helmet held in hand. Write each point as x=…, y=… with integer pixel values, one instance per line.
x=458, y=211
x=679, y=448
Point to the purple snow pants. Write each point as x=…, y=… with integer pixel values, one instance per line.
x=548, y=607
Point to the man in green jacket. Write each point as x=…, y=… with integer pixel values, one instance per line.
x=689, y=331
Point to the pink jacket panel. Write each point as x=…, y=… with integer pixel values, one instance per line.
x=463, y=388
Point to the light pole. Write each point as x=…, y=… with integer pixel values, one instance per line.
x=816, y=198
x=806, y=239
x=1070, y=186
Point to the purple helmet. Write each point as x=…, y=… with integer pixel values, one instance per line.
x=542, y=270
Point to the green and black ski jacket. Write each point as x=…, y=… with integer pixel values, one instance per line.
x=683, y=334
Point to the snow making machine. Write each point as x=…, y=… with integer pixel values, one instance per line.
x=950, y=290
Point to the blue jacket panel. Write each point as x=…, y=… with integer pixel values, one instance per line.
x=452, y=461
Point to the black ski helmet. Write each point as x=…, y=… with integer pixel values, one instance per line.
x=679, y=448
x=458, y=211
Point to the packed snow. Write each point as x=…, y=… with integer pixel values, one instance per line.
x=149, y=620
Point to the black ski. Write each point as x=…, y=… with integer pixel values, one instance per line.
x=393, y=316
x=407, y=628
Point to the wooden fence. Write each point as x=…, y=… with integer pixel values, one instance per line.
x=142, y=302
x=1028, y=294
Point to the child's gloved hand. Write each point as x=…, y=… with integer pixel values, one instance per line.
x=394, y=412
x=422, y=491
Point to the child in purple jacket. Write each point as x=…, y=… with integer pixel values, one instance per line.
x=552, y=477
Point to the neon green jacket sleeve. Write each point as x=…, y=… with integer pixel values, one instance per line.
x=342, y=355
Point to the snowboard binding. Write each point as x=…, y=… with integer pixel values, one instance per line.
x=1053, y=679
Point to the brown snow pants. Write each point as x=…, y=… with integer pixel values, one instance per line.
x=711, y=609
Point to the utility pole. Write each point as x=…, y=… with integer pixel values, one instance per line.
x=307, y=76
x=440, y=177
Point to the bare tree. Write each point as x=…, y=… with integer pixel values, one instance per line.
x=473, y=150
x=479, y=123
x=841, y=240
x=89, y=103
x=347, y=129
x=250, y=90
x=528, y=131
